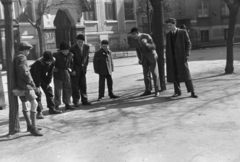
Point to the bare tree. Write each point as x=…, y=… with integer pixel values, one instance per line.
x=233, y=6
x=158, y=39
x=43, y=7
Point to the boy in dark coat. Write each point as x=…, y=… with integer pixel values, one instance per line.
x=80, y=52
x=62, y=80
x=103, y=66
x=42, y=73
x=25, y=82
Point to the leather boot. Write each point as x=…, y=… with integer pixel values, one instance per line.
x=34, y=130
x=27, y=118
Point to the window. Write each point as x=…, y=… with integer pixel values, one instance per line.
x=129, y=10
x=145, y=25
x=203, y=8
x=110, y=10
x=225, y=34
x=91, y=15
x=224, y=9
x=204, y=36
x=18, y=14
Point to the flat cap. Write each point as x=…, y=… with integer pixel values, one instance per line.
x=171, y=20
x=24, y=46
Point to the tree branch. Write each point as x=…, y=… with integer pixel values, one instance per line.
x=30, y=21
x=141, y=6
x=229, y=4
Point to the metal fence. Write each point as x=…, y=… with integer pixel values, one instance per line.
x=117, y=48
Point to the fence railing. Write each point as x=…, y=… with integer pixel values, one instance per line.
x=120, y=47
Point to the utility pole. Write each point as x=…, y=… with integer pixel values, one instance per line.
x=14, y=126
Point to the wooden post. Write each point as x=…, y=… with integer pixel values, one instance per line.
x=14, y=126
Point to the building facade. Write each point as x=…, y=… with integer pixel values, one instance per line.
x=206, y=20
x=97, y=19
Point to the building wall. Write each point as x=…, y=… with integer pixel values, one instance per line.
x=216, y=24
x=113, y=30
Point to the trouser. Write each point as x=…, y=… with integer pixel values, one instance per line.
x=47, y=89
x=79, y=86
x=153, y=68
x=60, y=86
x=176, y=83
x=101, y=89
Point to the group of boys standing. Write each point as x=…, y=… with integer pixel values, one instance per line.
x=68, y=68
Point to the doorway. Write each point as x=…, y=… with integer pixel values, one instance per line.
x=63, y=28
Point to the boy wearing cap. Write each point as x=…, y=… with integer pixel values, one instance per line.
x=80, y=52
x=148, y=57
x=25, y=82
x=42, y=74
x=61, y=72
x=103, y=66
x=178, y=46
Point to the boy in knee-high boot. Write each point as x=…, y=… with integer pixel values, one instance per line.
x=25, y=82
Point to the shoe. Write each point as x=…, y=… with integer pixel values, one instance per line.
x=176, y=95
x=86, y=103
x=34, y=131
x=114, y=96
x=29, y=128
x=76, y=105
x=54, y=111
x=193, y=95
x=68, y=107
x=100, y=98
x=57, y=108
x=40, y=115
x=146, y=93
x=157, y=94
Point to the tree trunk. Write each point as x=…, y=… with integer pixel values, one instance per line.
x=230, y=41
x=13, y=102
x=41, y=41
x=158, y=39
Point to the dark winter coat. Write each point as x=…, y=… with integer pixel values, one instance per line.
x=41, y=72
x=181, y=49
x=102, y=62
x=23, y=76
x=63, y=64
x=80, y=58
